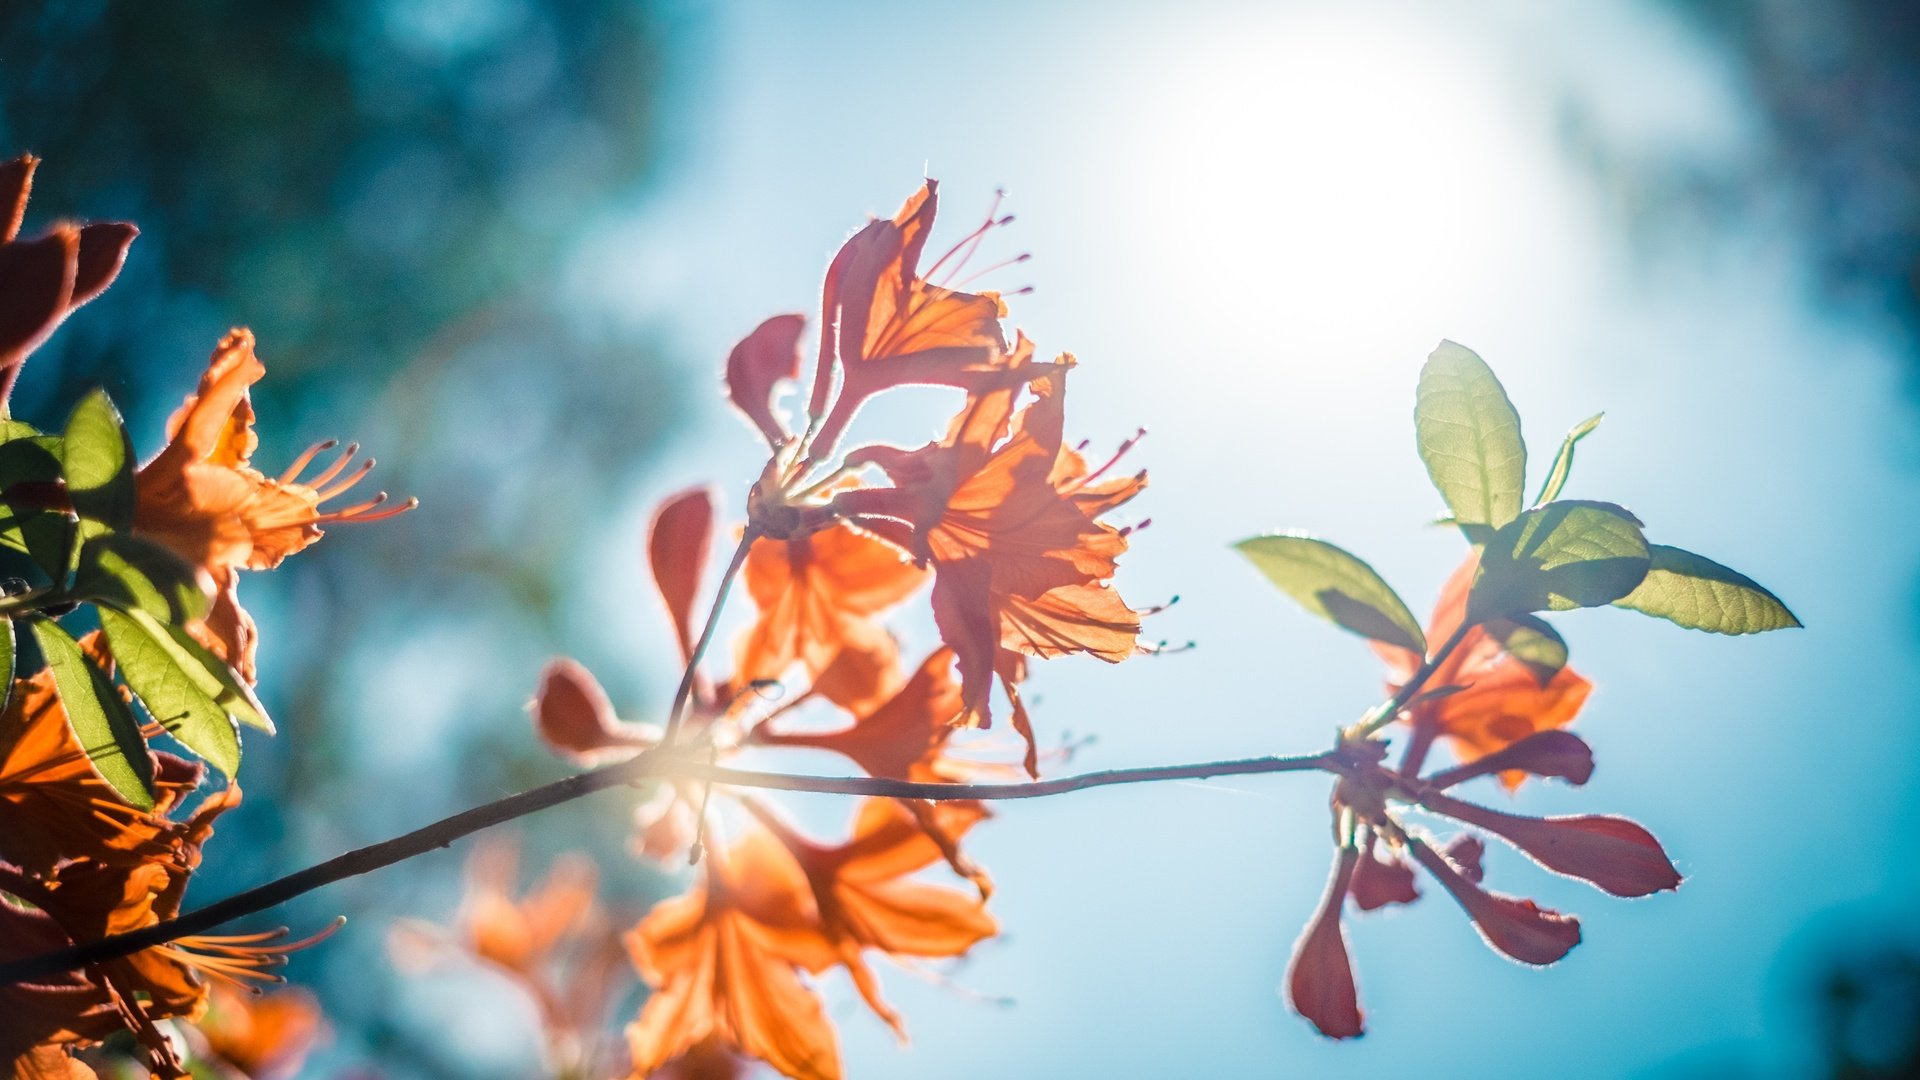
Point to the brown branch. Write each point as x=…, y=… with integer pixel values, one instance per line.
x=651, y=764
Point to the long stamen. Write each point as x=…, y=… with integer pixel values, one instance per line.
x=345, y=482
x=1001, y=265
x=306, y=457
x=346, y=458
x=973, y=237
x=1115, y=459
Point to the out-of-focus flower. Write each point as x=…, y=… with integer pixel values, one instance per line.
x=261, y=1036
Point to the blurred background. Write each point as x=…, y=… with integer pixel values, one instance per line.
x=507, y=243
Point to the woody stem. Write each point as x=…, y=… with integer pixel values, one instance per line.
x=680, y=696
x=660, y=763
x=1389, y=709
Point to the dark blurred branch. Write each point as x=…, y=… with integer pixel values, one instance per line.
x=652, y=764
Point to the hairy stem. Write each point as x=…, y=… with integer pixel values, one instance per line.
x=652, y=764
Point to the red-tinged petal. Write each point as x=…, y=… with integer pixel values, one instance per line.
x=103, y=250
x=1320, y=979
x=1466, y=853
x=16, y=180
x=1611, y=853
x=1378, y=882
x=1559, y=754
x=1517, y=927
x=36, y=288
x=576, y=720
x=677, y=545
x=763, y=358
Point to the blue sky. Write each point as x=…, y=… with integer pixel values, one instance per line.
x=1251, y=224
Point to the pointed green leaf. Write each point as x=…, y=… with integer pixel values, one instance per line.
x=97, y=461
x=1535, y=644
x=130, y=572
x=1469, y=437
x=1337, y=586
x=210, y=673
x=1564, y=555
x=99, y=718
x=8, y=663
x=16, y=429
x=1563, y=461
x=1700, y=594
x=33, y=537
x=170, y=693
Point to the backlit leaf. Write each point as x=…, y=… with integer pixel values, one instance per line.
x=1700, y=594
x=100, y=719
x=171, y=694
x=97, y=461
x=1564, y=555
x=1563, y=461
x=129, y=572
x=1535, y=644
x=1337, y=586
x=1469, y=437
x=210, y=673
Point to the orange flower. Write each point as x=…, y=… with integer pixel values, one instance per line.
x=1008, y=518
x=201, y=496
x=725, y=959
x=817, y=595
x=53, y=804
x=882, y=324
x=1501, y=700
x=553, y=942
x=262, y=1037
x=43, y=280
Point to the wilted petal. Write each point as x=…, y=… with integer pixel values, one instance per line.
x=576, y=720
x=1559, y=754
x=763, y=358
x=1517, y=927
x=1466, y=853
x=1612, y=853
x=1320, y=978
x=678, y=541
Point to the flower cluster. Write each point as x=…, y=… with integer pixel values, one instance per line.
x=100, y=833
x=999, y=521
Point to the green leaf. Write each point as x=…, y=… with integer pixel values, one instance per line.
x=172, y=695
x=33, y=538
x=210, y=673
x=1337, y=586
x=99, y=718
x=1700, y=594
x=1563, y=461
x=97, y=461
x=16, y=429
x=8, y=664
x=1469, y=437
x=130, y=572
x=1531, y=641
x=1564, y=555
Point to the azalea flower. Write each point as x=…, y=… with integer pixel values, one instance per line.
x=261, y=1037
x=54, y=806
x=1499, y=700
x=202, y=497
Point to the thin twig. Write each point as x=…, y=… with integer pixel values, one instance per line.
x=685, y=689
x=651, y=764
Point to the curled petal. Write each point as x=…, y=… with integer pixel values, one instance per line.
x=1517, y=927
x=1378, y=882
x=103, y=250
x=1465, y=852
x=1320, y=979
x=36, y=289
x=16, y=180
x=576, y=720
x=677, y=546
x=756, y=365
x=1559, y=754
x=1611, y=853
